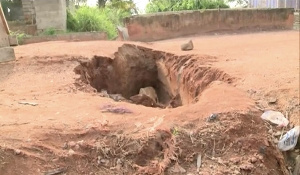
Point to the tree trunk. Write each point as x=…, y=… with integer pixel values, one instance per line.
x=101, y=3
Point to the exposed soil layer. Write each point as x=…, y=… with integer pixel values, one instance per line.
x=227, y=145
x=178, y=80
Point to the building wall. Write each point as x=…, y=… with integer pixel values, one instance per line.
x=4, y=42
x=28, y=11
x=50, y=14
x=168, y=25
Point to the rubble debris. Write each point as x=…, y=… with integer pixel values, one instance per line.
x=56, y=171
x=275, y=117
x=28, y=103
x=289, y=140
x=199, y=162
x=212, y=117
x=115, y=109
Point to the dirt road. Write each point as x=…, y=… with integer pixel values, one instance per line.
x=48, y=123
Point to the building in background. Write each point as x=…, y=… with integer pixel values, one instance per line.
x=33, y=16
x=274, y=4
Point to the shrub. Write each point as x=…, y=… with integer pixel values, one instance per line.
x=20, y=36
x=71, y=21
x=88, y=19
x=49, y=31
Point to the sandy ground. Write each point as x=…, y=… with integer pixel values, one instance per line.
x=265, y=65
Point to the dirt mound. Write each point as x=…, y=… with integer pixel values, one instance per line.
x=176, y=79
x=228, y=144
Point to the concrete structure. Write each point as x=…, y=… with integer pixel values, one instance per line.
x=168, y=25
x=4, y=31
x=6, y=52
x=81, y=36
x=50, y=14
x=39, y=15
x=28, y=11
x=297, y=21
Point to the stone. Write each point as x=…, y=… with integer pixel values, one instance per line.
x=270, y=131
x=71, y=152
x=150, y=92
x=143, y=100
x=246, y=167
x=275, y=140
x=71, y=144
x=253, y=159
x=17, y=151
x=7, y=54
x=272, y=100
x=187, y=46
x=123, y=33
x=177, y=169
x=13, y=41
x=235, y=160
x=278, y=133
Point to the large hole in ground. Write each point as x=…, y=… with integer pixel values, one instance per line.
x=135, y=70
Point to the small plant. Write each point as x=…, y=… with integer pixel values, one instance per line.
x=50, y=31
x=175, y=131
x=19, y=35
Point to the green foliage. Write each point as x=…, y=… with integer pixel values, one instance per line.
x=49, y=31
x=116, y=15
x=101, y=3
x=178, y=5
x=20, y=36
x=123, y=5
x=175, y=131
x=71, y=21
x=88, y=19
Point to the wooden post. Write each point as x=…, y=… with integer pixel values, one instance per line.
x=4, y=20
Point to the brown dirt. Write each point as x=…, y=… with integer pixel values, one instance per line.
x=69, y=131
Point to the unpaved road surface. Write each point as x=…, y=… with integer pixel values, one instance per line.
x=49, y=124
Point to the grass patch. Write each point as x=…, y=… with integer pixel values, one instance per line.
x=19, y=35
x=90, y=19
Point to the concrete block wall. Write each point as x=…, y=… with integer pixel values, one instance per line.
x=4, y=41
x=159, y=26
x=6, y=53
x=50, y=14
x=28, y=11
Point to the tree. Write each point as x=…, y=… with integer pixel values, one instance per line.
x=178, y=5
x=77, y=3
x=124, y=5
x=101, y=3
